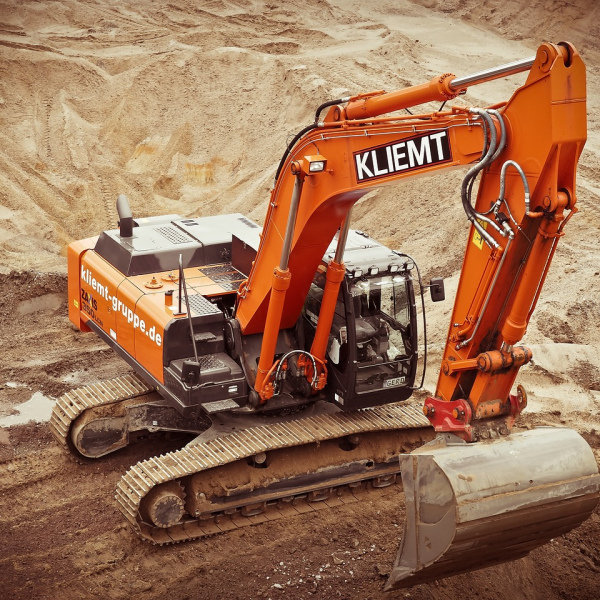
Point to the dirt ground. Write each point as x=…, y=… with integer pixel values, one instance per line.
x=186, y=107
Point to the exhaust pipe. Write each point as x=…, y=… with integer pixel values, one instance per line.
x=470, y=506
x=125, y=216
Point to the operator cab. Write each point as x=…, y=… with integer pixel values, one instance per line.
x=372, y=352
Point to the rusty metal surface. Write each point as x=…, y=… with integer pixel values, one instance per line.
x=470, y=506
x=98, y=419
x=233, y=441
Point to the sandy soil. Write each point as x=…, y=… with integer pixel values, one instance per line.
x=186, y=108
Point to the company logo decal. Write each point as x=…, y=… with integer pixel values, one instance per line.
x=418, y=152
x=89, y=305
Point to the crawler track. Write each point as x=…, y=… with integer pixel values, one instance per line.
x=215, y=502
x=309, y=464
x=72, y=404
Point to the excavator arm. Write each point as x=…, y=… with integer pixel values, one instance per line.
x=526, y=196
x=526, y=150
x=468, y=505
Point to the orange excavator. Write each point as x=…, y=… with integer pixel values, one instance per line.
x=290, y=351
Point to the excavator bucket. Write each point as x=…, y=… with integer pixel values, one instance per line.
x=470, y=506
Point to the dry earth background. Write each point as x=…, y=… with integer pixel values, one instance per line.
x=186, y=107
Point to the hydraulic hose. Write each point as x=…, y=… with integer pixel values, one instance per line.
x=517, y=166
x=327, y=104
x=502, y=141
x=301, y=133
x=467, y=184
x=287, y=356
x=308, y=128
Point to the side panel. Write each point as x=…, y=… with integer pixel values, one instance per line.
x=98, y=283
x=127, y=319
x=135, y=318
x=75, y=251
x=149, y=333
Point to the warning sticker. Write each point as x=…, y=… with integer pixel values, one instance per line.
x=477, y=238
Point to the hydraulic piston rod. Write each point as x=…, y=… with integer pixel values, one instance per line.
x=440, y=88
x=281, y=283
x=518, y=66
x=334, y=277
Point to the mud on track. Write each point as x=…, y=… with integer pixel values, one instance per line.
x=63, y=538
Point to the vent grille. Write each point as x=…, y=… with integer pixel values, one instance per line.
x=173, y=235
x=230, y=282
x=248, y=223
x=201, y=306
x=228, y=277
x=231, y=287
x=225, y=275
x=216, y=270
x=210, y=361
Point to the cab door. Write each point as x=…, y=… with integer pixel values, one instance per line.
x=371, y=355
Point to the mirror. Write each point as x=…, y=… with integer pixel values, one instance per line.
x=436, y=287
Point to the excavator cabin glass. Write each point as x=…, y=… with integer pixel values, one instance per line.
x=372, y=350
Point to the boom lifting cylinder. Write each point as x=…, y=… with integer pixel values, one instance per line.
x=281, y=284
x=334, y=277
